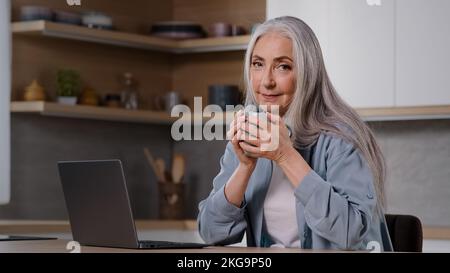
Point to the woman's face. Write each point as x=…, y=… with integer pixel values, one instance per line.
x=272, y=71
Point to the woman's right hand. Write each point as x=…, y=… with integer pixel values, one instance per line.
x=237, y=184
x=232, y=135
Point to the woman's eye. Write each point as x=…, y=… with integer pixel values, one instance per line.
x=284, y=67
x=257, y=64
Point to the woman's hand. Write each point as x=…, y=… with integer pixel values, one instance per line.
x=237, y=184
x=246, y=161
x=271, y=140
x=264, y=138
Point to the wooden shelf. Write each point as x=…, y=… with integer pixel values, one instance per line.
x=117, y=38
x=155, y=117
x=145, y=116
x=90, y=112
x=405, y=113
x=105, y=113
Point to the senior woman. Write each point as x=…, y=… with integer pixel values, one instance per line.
x=320, y=187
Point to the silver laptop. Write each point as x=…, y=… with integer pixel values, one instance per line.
x=99, y=207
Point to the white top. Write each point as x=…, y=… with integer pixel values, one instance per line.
x=279, y=211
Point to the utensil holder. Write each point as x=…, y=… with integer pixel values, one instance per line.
x=171, y=200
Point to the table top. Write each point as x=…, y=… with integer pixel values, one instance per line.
x=66, y=246
x=181, y=230
x=43, y=226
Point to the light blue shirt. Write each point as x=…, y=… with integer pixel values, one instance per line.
x=336, y=203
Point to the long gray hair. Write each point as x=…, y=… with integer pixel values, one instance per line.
x=316, y=107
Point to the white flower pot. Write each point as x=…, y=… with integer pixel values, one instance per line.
x=67, y=100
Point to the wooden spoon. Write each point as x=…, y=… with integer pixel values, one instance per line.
x=153, y=164
x=161, y=167
x=178, y=166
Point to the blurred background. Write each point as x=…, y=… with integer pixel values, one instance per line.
x=98, y=81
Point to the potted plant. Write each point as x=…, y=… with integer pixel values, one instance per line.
x=68, y=86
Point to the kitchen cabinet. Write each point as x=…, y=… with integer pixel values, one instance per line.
x=5, y=86
x=357, y=41
x=312, y=12
x=422, y=52
x=386, y=54
x=360, y=53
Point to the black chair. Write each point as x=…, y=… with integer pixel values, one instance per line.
x=405, y=232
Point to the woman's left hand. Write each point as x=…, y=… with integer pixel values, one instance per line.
x=269, y=139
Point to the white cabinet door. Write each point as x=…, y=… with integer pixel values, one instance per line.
x=357, y=41
x=312, y=12
x=423, y=52
x=361, y=51
x=5, y=93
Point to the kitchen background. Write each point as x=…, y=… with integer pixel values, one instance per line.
x=392, y=57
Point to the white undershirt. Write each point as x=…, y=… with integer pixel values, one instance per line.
x=279, y=211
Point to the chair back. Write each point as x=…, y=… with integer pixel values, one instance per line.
x=405, y=232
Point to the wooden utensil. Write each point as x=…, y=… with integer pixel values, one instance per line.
x=178, y=166
x=151, y=161
x=161, y=167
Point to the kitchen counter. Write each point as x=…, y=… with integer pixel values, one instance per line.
x=51, y=226
x=171, y=230
x=61, y=246
x=160, y=230
x=436, y=239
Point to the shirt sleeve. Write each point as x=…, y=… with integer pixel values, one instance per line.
x=219, y=221
x=340, y=206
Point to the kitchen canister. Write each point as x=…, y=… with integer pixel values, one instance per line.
x=223, y=95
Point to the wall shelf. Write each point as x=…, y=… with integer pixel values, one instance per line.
x=405, y=113
x=102, y=113
x=159, y=117
x=132, y=40
x=90, y=112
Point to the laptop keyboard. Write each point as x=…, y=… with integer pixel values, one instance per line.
x=167, y=244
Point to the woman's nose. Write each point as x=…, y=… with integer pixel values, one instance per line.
x=268, y=80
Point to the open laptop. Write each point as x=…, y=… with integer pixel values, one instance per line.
x=99, y=207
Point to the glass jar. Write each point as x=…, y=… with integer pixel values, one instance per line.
x=129, y=93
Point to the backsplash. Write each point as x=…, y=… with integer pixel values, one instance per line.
x=418, y=158
x=39, y=142
x=417, y=155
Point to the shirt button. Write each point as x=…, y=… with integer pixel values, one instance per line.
x=370, y=196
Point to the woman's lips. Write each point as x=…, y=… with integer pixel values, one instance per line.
x=270, y=98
